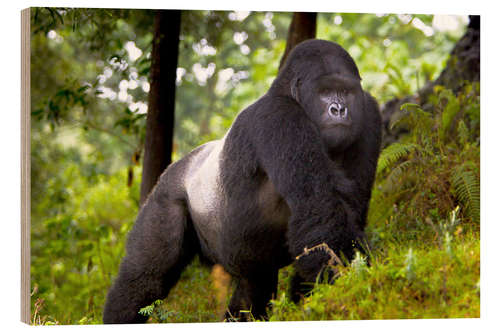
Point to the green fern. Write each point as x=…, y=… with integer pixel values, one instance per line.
x=450, y=112
x=467, y=188
x=414, y=119
x=395, y=175
x=463, y=133
x=393, y=153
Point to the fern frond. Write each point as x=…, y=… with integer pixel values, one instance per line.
x=467, y=188
x=413, y=118
x=450, y=112
x=463, y=133
x=395, y=175
x=393, y=153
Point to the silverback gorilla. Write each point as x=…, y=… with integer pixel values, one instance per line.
x=294, y=171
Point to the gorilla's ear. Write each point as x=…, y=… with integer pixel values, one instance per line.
x=294, y=89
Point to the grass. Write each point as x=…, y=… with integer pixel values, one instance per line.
x=427, y=282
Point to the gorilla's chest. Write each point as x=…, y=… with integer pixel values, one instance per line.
x=271, y=205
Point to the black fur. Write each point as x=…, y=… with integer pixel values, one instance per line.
x=288, y=175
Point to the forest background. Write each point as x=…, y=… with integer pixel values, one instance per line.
x=97, y=171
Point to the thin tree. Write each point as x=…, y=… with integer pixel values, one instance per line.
x=161, y=99
x=302, y=27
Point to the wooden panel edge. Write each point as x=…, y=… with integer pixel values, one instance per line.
x=25, y=166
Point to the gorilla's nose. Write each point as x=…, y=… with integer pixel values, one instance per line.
x=337, y=110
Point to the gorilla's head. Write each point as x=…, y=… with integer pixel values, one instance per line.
x=323, y=78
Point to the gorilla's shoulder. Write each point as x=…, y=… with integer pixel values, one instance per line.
x=269, y=105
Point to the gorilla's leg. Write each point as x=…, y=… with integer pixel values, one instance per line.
x=160, y=245
x=252, y=294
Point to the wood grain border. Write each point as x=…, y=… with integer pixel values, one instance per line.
x=25, y=165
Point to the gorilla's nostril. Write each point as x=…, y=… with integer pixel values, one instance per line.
x=343, y=111
x=334, y=109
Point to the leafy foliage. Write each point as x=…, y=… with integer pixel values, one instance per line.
x=466, y=185
x=393, y=153
x=77, y=244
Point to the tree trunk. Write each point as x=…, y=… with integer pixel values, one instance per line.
x=161, y=99
x=302, y=27
x=463, y=65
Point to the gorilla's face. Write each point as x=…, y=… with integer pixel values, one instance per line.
x=334, y=104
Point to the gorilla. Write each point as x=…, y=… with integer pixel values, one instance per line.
x=290, y=182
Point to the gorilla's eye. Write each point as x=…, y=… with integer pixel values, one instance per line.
x=337, y=110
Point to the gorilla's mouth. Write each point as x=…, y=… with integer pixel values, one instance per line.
x=338, y=114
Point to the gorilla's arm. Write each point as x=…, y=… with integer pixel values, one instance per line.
x=289, y=149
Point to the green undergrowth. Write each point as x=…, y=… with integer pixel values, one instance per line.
x=193, y=299
x=423, y=282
